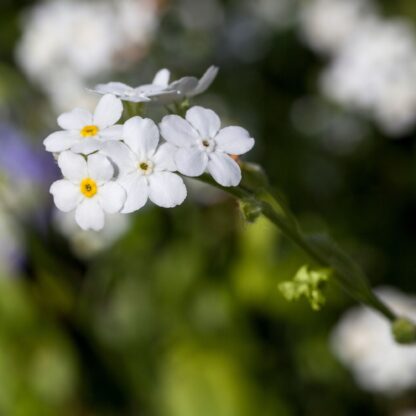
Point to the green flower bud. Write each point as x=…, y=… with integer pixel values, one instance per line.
x=308, y=283
x=404, y=331
x=250, y=209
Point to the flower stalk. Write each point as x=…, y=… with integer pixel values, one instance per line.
x=109, y=167
x=257, y=198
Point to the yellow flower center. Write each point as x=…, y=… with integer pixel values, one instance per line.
x=89, y=131
x=146, y=167
x=88, y=187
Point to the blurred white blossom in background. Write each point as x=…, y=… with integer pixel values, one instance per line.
x=363, y=342
x=375, y=72
x=66, y=43
x=86, y=244
x=372, y=61
x=326, y=24
x=273, y=12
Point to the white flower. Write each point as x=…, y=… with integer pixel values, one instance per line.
x=374, y=72
x=85, y=132
x=86, y=244
x=146, y=169
x=363, y=341
x=161, y=89
x=67, y=43
x=88, y=189
x=327, y=24
x=203, y=145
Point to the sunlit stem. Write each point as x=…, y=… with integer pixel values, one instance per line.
x=278, y=213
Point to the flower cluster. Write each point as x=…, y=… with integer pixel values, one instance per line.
x=372, y=60
x=66, y=43
x=160, y=89
x=110, y=168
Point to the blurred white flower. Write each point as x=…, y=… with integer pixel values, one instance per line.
x=374, y=72
x=363, y=341
x=326, y=24
x=161, y=89
x=137, y=20
x=88, y=243
x=65, y=43
x=203, y=145
x=146, y=169
x=276, y=13
x=88, y=189
x=85, y=132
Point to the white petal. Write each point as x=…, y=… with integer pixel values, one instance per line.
x=204, y=120
x=120, y=155
x=108, y=111
x=87, y=145
x=150, y=89
x=162, y=77
x=224, y=169
x=135, y=98
x=66, y=195
x=184, y=85
x=117, y=88
x=89, y=215
x=234, y=140
x=112, y=197
x=191, y=161
x=137, y=190
x=162, y=97
x=178, y=131
x=205, y=81
x=164, y=158
x=60, y=141
x=112, y=133
x=100, y=168
x=142, y=135
x=73, y=166
x=75, y=119
x=166, y=189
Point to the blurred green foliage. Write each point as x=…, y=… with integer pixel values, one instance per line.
x=182, y=316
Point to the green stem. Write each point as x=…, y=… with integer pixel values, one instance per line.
x=348, y=275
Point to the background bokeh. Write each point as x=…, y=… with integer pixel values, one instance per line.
x=177, y=312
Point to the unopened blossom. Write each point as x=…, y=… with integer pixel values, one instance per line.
x=160, y=89
x=88, y=189
x=83, y=131
x=146, y=168
x=363, y=341
x=204, y=146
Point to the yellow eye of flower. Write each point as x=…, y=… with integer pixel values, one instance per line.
x=89, y=131
x=145, y=167
x=88, y=187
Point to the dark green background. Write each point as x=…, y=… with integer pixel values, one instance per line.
x=182, y=316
